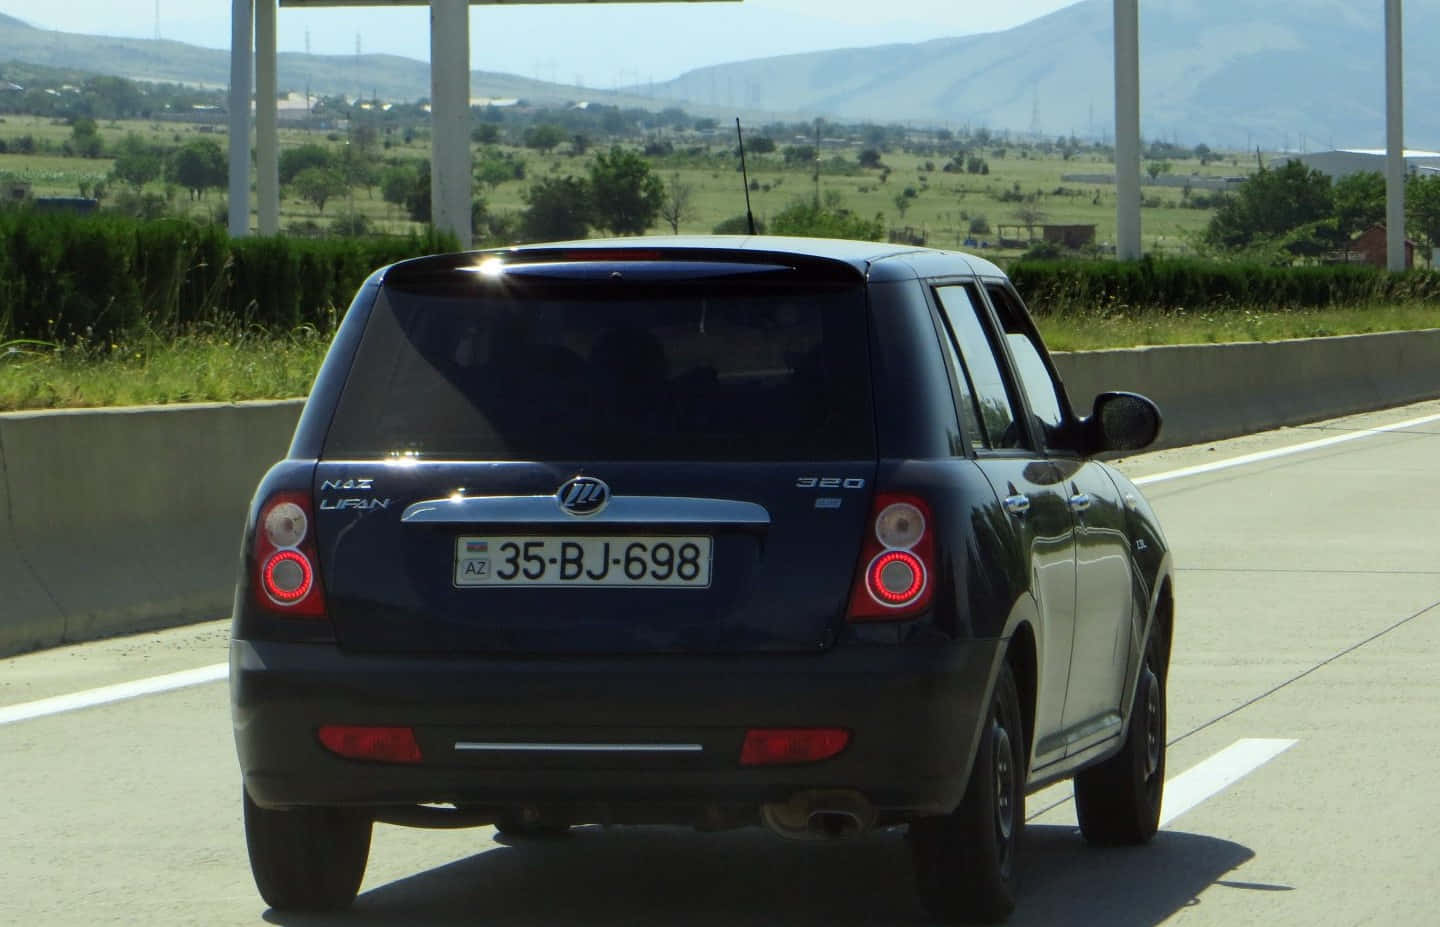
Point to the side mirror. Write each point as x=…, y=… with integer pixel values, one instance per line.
x=1123, y=422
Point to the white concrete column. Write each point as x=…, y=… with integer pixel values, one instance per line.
x=1127, y=129
x=450, y=165
x=267, y=137
x=241, y=33
x=1394, y=139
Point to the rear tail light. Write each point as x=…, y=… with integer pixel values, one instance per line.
x=285, y=577
x=786, y=746
x=382, y=744
x=897, y=560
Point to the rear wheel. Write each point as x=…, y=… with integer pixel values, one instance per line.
x=307, y=859
x=966, y=863
x=1118, y=801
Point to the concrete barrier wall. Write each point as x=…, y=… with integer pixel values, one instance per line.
x=121, y=520
x=1207, y=392
x=115, y=521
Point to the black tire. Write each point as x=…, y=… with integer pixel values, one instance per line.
x=307, y=859
x=1118, y=801
x=967, y=862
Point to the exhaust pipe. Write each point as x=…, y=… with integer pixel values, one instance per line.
x=820, y=815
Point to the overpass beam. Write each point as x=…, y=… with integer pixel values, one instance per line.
x=1394, y=139
x=242, y=28
x=450, y=166
x=267, y=137
x=1127, y=129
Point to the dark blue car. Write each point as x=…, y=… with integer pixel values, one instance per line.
x=698, y=531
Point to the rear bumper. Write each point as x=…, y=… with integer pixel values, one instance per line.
x=913, y=713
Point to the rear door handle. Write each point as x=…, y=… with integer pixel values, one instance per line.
x=1017, y=504
x=1080, y=502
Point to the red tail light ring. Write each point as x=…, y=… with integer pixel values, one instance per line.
x=288, y=577
x=895, y=578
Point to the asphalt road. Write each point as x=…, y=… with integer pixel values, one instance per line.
x=1304, y=725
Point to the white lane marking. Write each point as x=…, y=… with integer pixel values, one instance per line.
x=1219, y=772
x=89, y=698
x=1280, y=452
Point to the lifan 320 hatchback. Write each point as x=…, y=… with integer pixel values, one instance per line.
x=716, y=532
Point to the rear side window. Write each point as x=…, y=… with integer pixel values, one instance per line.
x=545, y=372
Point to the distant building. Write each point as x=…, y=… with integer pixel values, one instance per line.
x=1073, y=237
x=1369, y=248
x=1346, y=161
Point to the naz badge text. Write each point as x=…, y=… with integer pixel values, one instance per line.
x=353, y=503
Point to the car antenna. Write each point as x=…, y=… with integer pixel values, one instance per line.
x=745, y=176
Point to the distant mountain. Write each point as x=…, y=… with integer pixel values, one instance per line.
x=1217, y=71
x=390, y=77
x=1224, y=72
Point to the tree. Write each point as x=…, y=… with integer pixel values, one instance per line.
x=418, y=201
x=136, y=163
x=494, y=167
x=738, y=225
x=1270, y=204
x=397, y=182
x=486, y=133
x=1359, y=202
x=319, y=185
x=544, y=137
x=199, y=166
x=1156, y=168
x=625, y=195
x=828, y=219
x=1029, y=216
x=557, y=208
x=801, y=155
x=295, y=160
x=870, y=157
x=760, y=144
x=679, y=203
x=1422, y=206
x=85, y=138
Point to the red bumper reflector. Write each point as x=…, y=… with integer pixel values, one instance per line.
x=382, y=744
x=784, y=746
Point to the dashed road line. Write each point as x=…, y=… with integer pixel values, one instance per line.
x=1212, y=776
x=104, y=695
x=1258, y=456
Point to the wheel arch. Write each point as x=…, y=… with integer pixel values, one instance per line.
x=1022, y=656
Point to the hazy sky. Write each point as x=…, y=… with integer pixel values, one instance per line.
x=603, y=45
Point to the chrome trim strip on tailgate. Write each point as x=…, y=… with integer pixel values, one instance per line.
x=622, y=510
x=469, y=746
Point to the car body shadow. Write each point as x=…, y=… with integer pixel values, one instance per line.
x=674, y=876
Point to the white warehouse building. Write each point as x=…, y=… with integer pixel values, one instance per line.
x=1346, y=161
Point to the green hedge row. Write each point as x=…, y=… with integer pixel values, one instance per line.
x=97, y=278
x=1167, y=285
x=66, y=278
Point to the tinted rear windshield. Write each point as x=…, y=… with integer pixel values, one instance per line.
x=656, y=372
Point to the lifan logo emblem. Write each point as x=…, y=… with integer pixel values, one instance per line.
x=584, y=495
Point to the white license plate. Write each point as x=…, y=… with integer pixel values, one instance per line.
x=583, y=561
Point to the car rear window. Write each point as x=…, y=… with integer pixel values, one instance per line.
x=666, y=371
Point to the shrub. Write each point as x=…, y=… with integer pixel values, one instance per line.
x=97, y=278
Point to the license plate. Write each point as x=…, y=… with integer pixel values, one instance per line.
x=670, y=562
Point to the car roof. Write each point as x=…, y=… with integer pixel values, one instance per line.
x=893, y=261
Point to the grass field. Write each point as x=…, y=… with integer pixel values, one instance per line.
x=232, y=365
x=942, y=209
